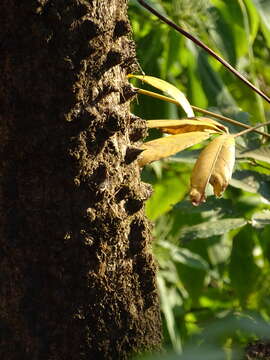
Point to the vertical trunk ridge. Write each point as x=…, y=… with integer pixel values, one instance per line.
x=77, y=278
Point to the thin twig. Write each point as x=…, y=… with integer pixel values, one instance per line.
x=251, y=129
x=206, y=48
x=206, y=112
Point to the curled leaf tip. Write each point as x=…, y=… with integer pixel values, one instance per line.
x=196, y=197
x=219, y=183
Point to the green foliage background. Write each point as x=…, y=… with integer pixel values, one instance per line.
x=214, y=278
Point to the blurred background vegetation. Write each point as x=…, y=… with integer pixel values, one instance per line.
x=214, y=260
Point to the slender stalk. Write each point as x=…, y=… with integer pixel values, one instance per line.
x=206, y=112
x=251, y=129
x=206, y=48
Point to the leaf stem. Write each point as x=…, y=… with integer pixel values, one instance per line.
x=252, y=129
x=206, y=48
x=206, y=112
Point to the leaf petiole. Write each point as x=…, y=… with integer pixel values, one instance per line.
x=206, y=112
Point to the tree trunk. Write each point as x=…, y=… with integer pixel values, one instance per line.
x=77, y=280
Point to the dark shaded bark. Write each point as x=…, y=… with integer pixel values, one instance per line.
x=77, y=278
x=258, y=350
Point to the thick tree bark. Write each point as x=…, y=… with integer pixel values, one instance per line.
x=77, y=280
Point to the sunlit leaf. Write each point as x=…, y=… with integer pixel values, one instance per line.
x=167, y=192
x=212, y=204
x=260, y=219
x=169, y=89
x=261, y=154
x=254, y=19
x=263, y=7
x=169, y=145
x=188, y=258
x=210, y=228
x=214, y=165
x=252, y=181
x=186, y=125
x=229, y=28
x=221, y=32
x=185, y=256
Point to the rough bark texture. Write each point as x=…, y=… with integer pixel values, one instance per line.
x=77, y=278
x=258, y=350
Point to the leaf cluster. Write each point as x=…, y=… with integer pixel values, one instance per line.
x=214, y=259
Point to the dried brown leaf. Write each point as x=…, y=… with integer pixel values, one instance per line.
x=187, y=125
x=169, y=145
x=214, y=165
x=169, y=89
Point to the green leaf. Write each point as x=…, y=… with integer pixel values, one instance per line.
x=253, y=19
x=264, y=239
x=210, y=228
x=252, y=181
x=215, y=89
x=196, y=94
x=169, y=299
x=172, y=54
x=261, y=219
x=212, y=204
x=167, y=192
x=261, y=154
x=221, y=32
x=243, y=269
x=152, y=42
x=194, y=280
x=263, y=7
x=184, y=256
x=154, y=4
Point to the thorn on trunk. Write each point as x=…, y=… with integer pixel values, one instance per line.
x=131, y=154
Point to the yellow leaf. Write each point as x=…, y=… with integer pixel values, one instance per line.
x=214, y=165
x=213, y=122
x=169, y=89
x=169, y=145
x=187, y=125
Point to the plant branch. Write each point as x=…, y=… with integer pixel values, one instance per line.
x=206, y=112
x=251, y=129
x=206, y=48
